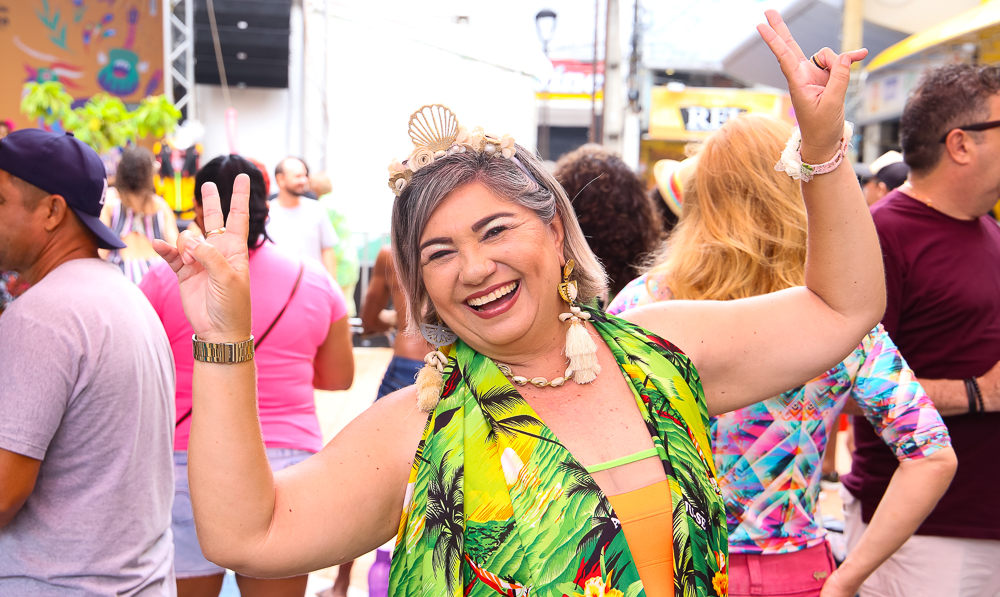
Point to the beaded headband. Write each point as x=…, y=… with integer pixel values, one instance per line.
x=435, y=133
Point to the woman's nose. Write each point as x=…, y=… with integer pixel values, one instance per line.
x=476, y=268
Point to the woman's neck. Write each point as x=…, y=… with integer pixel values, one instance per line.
x=137, y=202
x=541, y=353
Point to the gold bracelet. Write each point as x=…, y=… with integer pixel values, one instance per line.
x=223, y=352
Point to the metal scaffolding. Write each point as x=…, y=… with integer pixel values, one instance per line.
x=178, y=55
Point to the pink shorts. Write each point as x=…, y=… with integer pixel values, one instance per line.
x=797, y=574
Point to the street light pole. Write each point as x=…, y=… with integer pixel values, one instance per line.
x=592, y=133
x=545, y=26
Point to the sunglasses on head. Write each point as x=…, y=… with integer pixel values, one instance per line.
x=980, y=126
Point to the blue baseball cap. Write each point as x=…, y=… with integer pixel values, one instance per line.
x=61, y=164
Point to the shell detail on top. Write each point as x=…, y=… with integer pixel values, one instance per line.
x=435, y=133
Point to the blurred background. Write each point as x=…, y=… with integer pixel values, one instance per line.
x=334, y=83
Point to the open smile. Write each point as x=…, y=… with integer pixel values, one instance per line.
x=494, y=301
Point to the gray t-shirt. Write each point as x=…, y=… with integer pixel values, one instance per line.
x=87, y=387
x=302, y=231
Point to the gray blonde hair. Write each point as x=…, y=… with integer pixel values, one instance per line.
x=433, y=183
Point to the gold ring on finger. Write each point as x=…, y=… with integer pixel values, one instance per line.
x=216, y=231
x=815, y=61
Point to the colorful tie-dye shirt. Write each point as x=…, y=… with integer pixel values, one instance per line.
x=769, y=455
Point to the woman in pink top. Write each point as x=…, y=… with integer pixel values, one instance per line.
x=308, y=346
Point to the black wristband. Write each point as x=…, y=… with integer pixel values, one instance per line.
x=979, y=395
x=974, y=395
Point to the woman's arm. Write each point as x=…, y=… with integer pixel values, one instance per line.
x=914, y=490
x=895, y=403
x=377, y=297
x=333, y=366
x=339, y=504
x=750, y=349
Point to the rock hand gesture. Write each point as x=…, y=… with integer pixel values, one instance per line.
x=817, y=86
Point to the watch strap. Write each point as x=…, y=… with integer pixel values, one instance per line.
x=223, y=352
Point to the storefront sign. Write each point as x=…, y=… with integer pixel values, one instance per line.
x=700, y=118
x=692, y=113
x=572, y=79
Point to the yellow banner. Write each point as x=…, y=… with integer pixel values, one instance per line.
x=693, y=113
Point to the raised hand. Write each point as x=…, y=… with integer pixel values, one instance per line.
x=817, y=93
x=214, y=273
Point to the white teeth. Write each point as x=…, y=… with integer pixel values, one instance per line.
x=489, y=298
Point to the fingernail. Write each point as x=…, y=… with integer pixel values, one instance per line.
x=845, y=60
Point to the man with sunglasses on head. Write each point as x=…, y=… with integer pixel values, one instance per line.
x=942, y=268
x=86, y=390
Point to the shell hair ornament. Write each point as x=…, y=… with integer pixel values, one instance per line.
x=435, y=133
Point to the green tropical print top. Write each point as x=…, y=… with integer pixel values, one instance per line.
x=495, y=505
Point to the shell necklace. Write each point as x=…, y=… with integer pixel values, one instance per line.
x=538, y=382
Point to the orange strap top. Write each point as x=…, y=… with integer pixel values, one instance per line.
x=646, y=516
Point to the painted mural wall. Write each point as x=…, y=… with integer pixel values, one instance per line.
x=90, y=46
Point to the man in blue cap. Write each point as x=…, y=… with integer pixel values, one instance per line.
x=86, y=390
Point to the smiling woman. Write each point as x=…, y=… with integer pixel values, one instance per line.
x=565, y=451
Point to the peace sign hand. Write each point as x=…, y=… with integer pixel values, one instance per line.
x=817, y=93
x=214, y=273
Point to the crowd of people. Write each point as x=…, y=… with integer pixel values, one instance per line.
x=594, y=389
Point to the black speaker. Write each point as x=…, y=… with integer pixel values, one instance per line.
x=253, y=35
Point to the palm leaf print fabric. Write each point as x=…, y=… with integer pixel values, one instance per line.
x=497, y=506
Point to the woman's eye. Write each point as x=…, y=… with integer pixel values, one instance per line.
x=495, y=231
x=437, y=255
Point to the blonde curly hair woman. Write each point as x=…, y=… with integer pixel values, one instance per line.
x=742, y=233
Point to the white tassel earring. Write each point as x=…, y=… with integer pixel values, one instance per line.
x=430, y=379
x=580, y=347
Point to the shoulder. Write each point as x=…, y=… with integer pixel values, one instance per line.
x=317, y=280
x=162, y=206
x=634, y=294
x=159, y=278
x=112, y=198
x=96, y=288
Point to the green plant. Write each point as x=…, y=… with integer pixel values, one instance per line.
x=156, y=116
x=104, y=122
x=48, y=101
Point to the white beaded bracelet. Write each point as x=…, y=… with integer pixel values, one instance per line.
x=791, y=158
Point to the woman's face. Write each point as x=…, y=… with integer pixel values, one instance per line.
x=491, y=267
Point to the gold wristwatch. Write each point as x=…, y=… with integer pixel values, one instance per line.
x=223, y=352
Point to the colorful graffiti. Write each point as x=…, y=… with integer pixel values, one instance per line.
x=121, y=75
x=51, y=20
x=52, y=70
x=90, y=46
x=99, y=30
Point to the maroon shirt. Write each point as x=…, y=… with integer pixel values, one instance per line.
x=943, y=312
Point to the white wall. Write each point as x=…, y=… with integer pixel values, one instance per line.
x=379, y=74
x=263, y=117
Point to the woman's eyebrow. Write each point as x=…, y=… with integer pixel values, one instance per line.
x=443, y=240
x=481, y=223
